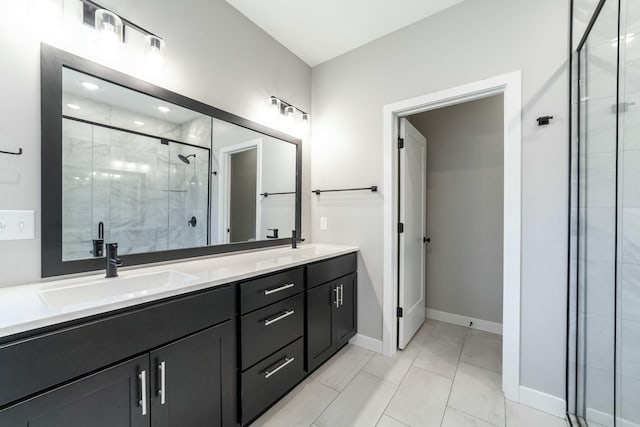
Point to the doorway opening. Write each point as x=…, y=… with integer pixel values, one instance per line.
x=240, y=180
x=450, y=254
x=507, y=86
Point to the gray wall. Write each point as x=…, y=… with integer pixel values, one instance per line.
x=464, y=207
x=214, y=54
x=469, y=42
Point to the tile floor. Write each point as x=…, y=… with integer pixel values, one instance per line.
x=448, y=376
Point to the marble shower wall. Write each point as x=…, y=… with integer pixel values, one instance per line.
x=628, y=314
x=136, y=186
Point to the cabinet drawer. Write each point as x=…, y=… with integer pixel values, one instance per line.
x=33, y=364
x=266, y=290
x=271, y=328
x=325, y=271
x=270, y=379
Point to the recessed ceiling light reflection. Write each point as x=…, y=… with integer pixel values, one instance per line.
x=164, y=109
x=90, y=86
x=138, y=123
x=73, y=106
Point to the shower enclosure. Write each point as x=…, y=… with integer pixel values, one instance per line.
x=603, y=382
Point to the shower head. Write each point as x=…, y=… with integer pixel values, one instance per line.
x=185, y=159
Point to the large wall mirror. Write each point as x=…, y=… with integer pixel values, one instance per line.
x=164, y=176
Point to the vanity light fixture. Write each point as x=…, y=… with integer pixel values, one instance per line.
x=164, y=109
x=73, y=106
x=109, y=27
x=288, y=110
x=90, y=86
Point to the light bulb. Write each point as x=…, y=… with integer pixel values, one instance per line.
x=155, y=50
x=275, y=106
x=109, y=28
x=289, y=114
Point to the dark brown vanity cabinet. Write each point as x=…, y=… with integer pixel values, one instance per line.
x=271, y=339
x=331, y=307
x=172, y=375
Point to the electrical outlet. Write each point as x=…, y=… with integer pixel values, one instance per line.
x=323, y=223
x=17, y=225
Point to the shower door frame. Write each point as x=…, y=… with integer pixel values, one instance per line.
x=573, y=292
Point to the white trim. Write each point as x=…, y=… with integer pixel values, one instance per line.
x=367, y=343
x=224, y=183
x=510, y=85
x=457, y=319
x=543, y=402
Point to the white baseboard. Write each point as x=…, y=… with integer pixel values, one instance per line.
x=604, y=419
x=367, y=343
x=544, y=402
x=457, y=319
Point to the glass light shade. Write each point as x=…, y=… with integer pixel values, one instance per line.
x=305, y=120
x=289, y=111
x=109, y=27
x=274, y=106
x=154, y=49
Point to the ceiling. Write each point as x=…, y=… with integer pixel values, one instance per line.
x=317, y=31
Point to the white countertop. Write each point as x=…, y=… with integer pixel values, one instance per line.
x=22, y=308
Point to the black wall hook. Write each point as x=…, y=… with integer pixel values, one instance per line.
x=544, y=120
x=11, y=153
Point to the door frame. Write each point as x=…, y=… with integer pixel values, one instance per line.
x=509, y=85
x=224, y=199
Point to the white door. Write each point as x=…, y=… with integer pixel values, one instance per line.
x=412, y=241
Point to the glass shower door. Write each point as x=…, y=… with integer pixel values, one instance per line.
x=597, y=220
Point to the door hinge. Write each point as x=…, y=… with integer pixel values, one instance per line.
x=400, y=142
x=400, y=312
x=400, y=227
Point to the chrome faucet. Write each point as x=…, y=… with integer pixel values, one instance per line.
x=113, y=262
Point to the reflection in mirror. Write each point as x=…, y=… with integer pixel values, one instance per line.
x=254, y=183
x=133, y=166
x=154, y=176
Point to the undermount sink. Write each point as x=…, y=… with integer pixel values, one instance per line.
x=120, y=288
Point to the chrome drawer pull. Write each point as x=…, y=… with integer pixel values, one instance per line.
x=341, y=295
x=143, y=387
x=271, y=321
x=163, y=384
x=281, y=288
x=268, y=373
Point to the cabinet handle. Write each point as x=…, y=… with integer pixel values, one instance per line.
x=281, y=288
x=273, y=320
x=341, y=295
x=337, y=300
x=163, y=383
x=269, y=372
x=143, y=388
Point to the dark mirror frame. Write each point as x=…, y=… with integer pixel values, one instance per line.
x=52, y=62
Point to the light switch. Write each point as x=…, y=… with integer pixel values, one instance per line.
x=17, y=225
x=323, y=223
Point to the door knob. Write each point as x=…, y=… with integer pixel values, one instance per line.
x=426, y=239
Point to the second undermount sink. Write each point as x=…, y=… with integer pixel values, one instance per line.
x=120, y=288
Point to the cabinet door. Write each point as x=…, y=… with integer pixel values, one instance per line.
x=109, y=398
x=192, y=380
x=321, y=337
x=346, y=314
